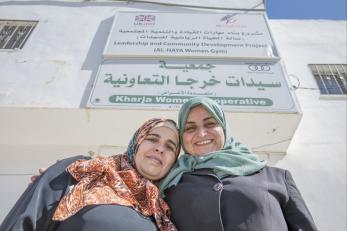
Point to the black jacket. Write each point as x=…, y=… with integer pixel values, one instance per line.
x=265, y=201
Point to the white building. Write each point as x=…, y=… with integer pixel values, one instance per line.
x=45, y=85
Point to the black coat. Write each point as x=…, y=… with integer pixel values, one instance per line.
x=265, y=201
x=35, y=208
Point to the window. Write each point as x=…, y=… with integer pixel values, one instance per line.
x=14, y=33
x=331, y=78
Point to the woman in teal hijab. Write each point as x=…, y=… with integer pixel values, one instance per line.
x=231, y=159
x=218, y=184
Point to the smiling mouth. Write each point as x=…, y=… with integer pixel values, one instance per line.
x=203, y=142
x=155, y=160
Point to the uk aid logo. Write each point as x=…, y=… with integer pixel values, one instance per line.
x=144, y=20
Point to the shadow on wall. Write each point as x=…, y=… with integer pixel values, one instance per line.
x=94, y=56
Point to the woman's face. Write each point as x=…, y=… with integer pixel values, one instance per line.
x=157, y=153
x=202, y=133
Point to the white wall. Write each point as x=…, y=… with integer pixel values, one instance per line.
x=34, y=132
x=317, y=154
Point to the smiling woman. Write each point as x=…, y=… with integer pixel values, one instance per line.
x=105, y=193
x=202, y=133
x=157, y=152
x=219, y=185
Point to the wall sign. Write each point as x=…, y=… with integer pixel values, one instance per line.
x=201, y=35
x=167, y=84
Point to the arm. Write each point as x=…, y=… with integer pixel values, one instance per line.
x=35, y=207
x=296, y=213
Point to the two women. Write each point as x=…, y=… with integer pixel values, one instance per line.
x=217, y=184
x=104, y=193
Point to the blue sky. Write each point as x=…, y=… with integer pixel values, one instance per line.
x=306, y=9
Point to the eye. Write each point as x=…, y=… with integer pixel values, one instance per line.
x=171, y=147
x=211, y=124
x=189, y=129
x=151, y=138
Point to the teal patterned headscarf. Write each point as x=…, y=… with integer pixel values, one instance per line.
x=234, y=159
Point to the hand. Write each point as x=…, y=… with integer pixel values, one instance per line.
x=34, y=177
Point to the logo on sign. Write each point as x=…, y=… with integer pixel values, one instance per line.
x=231, y=21
x=144, y=20
x=259, y=67
x=229, y=18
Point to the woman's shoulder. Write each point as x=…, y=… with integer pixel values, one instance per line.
x=275, y=169
x=63, y=163
x=274, y=172
x=59, y=168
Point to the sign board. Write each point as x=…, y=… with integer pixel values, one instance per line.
x=238, y=36
x=256, y=86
